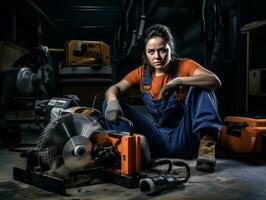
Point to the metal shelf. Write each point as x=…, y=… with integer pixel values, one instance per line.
x=252, y=31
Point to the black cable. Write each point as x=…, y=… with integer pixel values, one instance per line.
x=117, y=39
x=163, y=162
x=204, y=32
x=218, y=32
x=183, y=164
x=143, y=7
x=127, y=27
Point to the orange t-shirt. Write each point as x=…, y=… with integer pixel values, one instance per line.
x=186, y=68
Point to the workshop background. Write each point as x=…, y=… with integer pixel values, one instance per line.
x=43, y=45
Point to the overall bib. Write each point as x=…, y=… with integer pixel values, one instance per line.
x=176, y=127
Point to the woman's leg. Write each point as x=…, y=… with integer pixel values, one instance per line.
x=200, y=114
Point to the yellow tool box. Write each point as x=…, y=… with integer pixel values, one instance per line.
x=87, y=53
x=244, y=134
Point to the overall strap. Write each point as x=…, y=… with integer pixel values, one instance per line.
x=146, y=80
x=173, y=76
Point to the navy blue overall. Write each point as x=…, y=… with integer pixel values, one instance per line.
x=176, y=127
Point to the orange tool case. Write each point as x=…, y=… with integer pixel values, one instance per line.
x=244, y=134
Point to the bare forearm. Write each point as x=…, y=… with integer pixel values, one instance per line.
x=202, y=81
x=112, y=93
x=115, y=90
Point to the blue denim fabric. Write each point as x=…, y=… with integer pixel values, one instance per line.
x=166, y=112
x=176, y=127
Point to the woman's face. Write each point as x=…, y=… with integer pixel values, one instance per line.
x=158, y=52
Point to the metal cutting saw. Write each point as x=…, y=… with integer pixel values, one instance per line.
x=75, y=149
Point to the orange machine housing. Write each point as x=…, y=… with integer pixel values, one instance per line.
x=129, y=149
x=87, y=53
x=243, y=134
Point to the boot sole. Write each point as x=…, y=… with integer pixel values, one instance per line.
x=206, y=165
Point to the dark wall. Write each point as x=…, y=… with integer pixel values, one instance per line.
x=226, y=64
x=251, y=11
x=17, y=25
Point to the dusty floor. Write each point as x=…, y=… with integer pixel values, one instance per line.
x=235, y=178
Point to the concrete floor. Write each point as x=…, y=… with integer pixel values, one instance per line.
x=235, y=178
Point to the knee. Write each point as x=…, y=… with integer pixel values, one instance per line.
x=198, y=94
x=195, y=91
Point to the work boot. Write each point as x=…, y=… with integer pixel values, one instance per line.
x=206, y=157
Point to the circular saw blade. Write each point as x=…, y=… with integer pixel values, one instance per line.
x=77, y=152
x=63, y=141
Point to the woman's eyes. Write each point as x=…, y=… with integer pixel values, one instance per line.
x=163, y=50
x=150, y=51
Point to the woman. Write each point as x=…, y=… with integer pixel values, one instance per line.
x=176, y=92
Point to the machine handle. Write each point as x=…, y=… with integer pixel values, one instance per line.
x=129, y=123
x=235, y=128
x=236, y=124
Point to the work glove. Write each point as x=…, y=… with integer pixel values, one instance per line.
x=170, y=88
x=112, y=111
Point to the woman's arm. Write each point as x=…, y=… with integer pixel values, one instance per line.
x=113, y=92
x=113, y=108
x=201, y=77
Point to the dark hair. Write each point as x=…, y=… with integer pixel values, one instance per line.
x=158, y=30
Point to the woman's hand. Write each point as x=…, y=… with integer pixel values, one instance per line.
x=170, y=88
x=112, y=111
